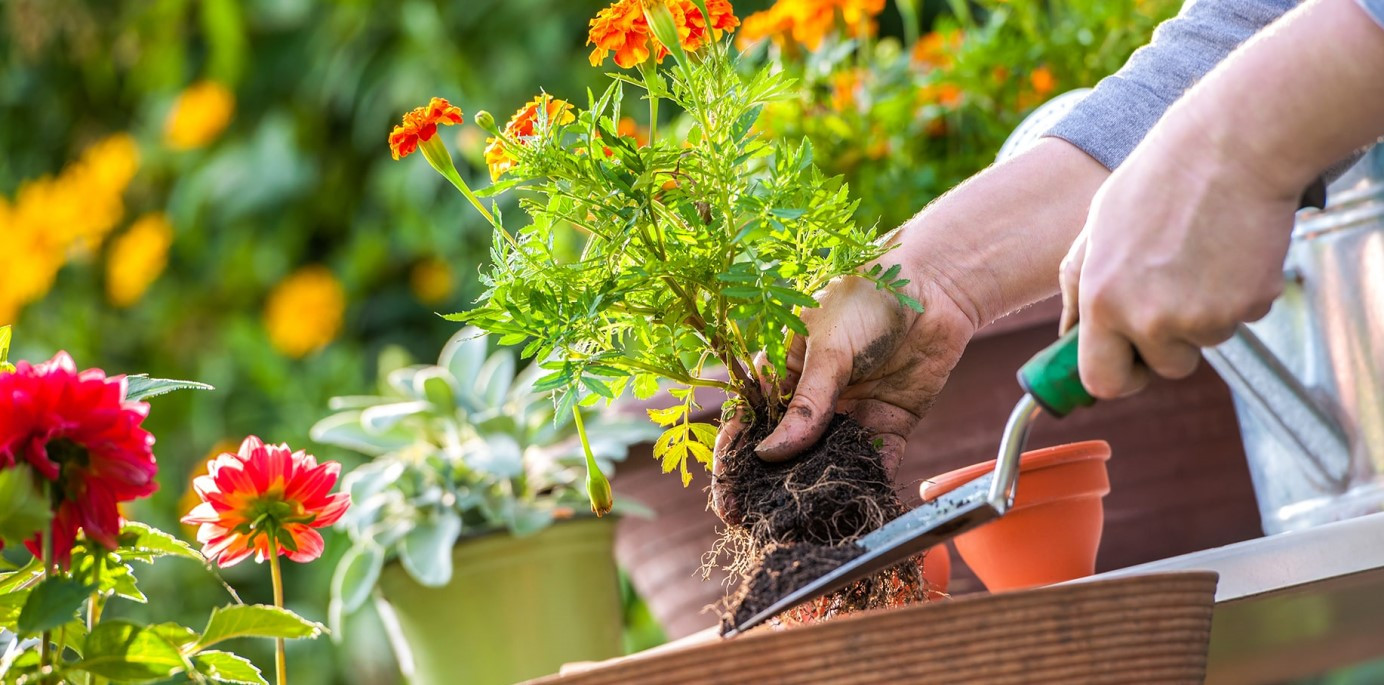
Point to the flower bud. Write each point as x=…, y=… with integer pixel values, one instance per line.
x=487, y=123
x=598, y=490
x=664, y=27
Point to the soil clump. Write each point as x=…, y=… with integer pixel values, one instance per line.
x=798, y=519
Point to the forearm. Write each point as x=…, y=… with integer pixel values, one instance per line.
x=995, y=242
x=1292, y=100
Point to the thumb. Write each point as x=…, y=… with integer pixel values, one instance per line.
x=825, y=373
x=1069, y=276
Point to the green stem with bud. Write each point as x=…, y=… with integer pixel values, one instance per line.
x=597, y=487
x=440, y=159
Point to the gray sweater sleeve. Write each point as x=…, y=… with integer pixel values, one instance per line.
x=1112, y=120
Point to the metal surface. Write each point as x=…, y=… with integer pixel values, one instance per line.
x=1285, y=407
x=1292, y=605
x=965, y=508
x=1328, y=331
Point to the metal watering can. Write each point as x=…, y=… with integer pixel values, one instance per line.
x=1307, y=380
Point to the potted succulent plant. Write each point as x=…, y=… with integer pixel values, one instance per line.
x=470, y=518
x=695, y=250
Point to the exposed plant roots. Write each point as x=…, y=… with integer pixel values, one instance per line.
x=800, y=518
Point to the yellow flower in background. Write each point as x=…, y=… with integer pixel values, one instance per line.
x=199, y=115
x=431, y=281
x=136, y=259
x=54, y=219
x=304, y=311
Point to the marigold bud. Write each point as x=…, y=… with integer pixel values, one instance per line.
x=598, y=490
x=487, y=122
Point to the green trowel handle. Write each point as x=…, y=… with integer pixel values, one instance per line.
x=1051, y=377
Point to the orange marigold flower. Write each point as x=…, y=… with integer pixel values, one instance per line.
x=420, y=125
x=538, y=117
x=265, y=500
x=1043, y=81
x=623, y=30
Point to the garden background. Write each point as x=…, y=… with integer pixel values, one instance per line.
x=201, y=189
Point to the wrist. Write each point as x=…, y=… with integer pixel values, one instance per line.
x=994, y=244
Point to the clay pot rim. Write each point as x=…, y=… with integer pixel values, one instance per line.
x=1034, y=460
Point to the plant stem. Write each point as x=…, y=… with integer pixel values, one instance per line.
x=276, y=575
x=94, y=606
x=44, y=648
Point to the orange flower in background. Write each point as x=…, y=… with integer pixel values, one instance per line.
x=629, y=128
x=845, y=88
x=810, y=21
x=623, y=30
x=935, y=49
x=265, y=500
x=420, y=125
x=948, y=95
x=199, y=115
x=538, y=117
x=1043, y=81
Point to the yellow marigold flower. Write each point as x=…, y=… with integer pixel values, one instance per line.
x=622, y=29
x=537, y=118
x=1043, y=81
x=431, y=280
x=136, y=259
x=420, y=125
x=199, y=115
x=304, y=312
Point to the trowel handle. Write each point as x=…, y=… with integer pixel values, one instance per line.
x=1052, y=379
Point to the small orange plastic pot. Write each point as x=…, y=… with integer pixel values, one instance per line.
x=1052, y=532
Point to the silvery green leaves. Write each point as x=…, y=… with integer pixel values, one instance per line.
x=664, y=261
x=462, y=447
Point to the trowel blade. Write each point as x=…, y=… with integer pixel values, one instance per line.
x=934, y=522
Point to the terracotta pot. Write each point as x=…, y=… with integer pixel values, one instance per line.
x=1052, y=532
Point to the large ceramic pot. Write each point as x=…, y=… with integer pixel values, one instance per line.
x=516, y=608
x=1052, y=531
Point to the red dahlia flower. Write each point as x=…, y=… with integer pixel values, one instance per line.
x=265, y=499
x=80, y=434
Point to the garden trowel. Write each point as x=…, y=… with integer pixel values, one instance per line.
x=1051, y=383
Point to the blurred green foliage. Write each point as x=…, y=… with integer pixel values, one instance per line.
x=302, y=176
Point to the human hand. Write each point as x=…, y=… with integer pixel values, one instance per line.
x=1178, y=249
x=867, y=355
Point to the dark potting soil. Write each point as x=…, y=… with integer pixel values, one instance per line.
x=798, y=519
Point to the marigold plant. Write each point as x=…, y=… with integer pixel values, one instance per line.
x=696, y=251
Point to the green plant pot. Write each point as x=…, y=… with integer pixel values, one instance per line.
x=516, y=608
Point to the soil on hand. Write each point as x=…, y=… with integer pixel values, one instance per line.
x=799, y=519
